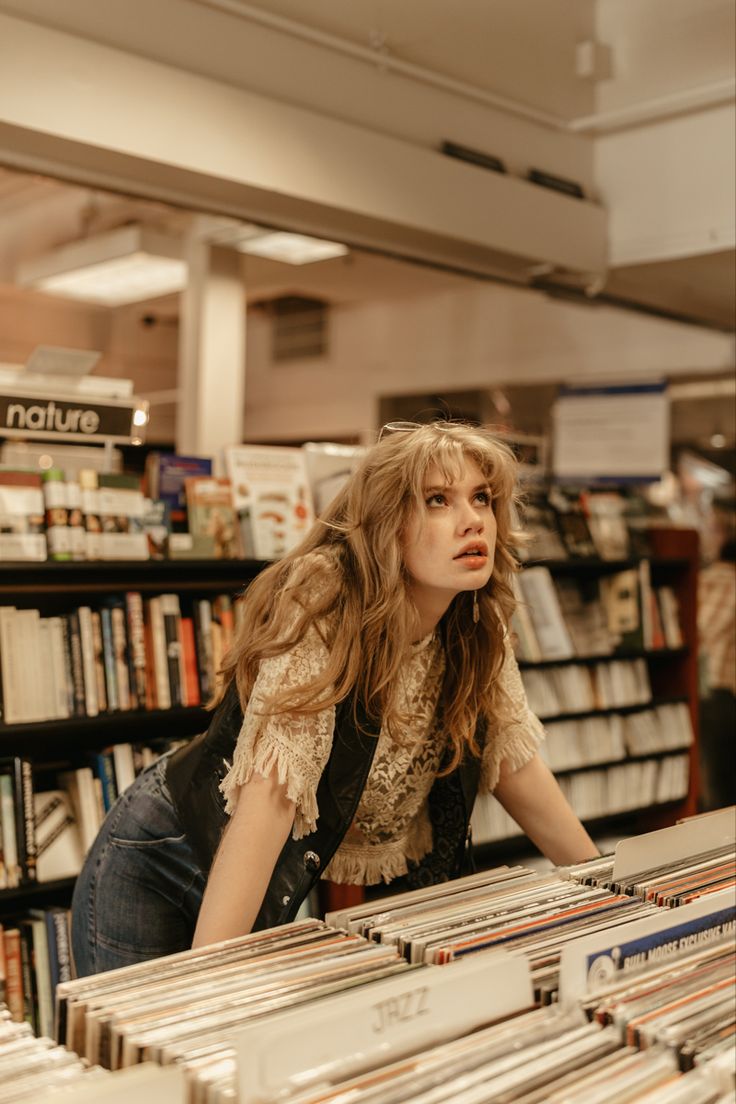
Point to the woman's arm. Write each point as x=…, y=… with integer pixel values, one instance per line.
x=532, y=797
x=245, y=860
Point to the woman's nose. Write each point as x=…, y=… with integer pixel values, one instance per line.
x=472, y=520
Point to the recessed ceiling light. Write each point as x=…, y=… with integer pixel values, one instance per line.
x=127, y=265
x=296, y=249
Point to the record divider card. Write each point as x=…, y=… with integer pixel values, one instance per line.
x=380, y=1024
x=595, y=961
x=681, y=841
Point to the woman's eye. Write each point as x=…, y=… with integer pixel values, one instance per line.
x=484, y=497
x=436, y=500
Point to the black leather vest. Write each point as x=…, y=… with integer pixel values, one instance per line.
x=195, y=771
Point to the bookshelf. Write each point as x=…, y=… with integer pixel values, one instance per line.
x=672, y=676
x=55, y=590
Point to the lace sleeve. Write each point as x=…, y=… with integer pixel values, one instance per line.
x=516, y=733
x=296, y=744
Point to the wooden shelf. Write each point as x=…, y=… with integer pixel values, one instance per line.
x=605, y=763
x=641, y=707
x=135, y=725
x=26, y=894
x=607, y=657
x=595, y=566
x=103, y=576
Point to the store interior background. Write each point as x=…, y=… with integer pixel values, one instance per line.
x=463, y=290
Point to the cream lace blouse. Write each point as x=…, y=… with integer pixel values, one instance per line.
x=391, y=824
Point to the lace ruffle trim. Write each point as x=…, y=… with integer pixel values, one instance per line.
x=521, y=744
x=266, y=756
x=353, y=864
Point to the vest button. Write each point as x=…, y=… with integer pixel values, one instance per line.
x=311, y=860
x=285, y=900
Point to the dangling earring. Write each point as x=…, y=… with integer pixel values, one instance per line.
x=476, y=611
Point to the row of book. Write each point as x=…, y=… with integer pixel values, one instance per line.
x=573, y=744
x=46, y=832
x=597, y=793
x=560, y=618
x=581, y=525
x=259, y=509
x=612, y=684
x=127, y=653
x=35, y=956
x=261, y=1015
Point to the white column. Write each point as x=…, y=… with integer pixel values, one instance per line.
x=211, y=376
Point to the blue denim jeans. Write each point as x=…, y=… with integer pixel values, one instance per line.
x=140, y=889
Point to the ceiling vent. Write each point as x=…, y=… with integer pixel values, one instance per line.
x=298, y=327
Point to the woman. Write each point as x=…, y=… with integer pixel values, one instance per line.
x=370, y=693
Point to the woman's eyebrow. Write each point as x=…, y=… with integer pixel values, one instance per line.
x=449, y=486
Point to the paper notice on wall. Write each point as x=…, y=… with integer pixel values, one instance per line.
x=615, y=434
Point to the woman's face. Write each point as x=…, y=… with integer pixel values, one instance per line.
x=450, y=540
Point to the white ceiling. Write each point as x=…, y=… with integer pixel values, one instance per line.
x=523, y=50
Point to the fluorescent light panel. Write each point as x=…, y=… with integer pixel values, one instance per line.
x=124, y=266
x=296, y=249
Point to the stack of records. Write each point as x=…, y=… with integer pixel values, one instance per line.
x=685, y=1005
x=187, y=1006
x=539, y=1057
x=513, y=908
x=31, y=1067
x=677, y=882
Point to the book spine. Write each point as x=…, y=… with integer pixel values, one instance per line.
x=121, y=653
x=222, y=611
x=66, y=648
x=91, y=700
x=29, y=649
x=108, y=659
x=47, y=688
x=137, y=647
x=103, y=768
x=9, y=827
x=24, y=780
x=203, y=641
x=30, y=995
x=171, y=618
x=14, y=975
x=158, y=650
x=189, y=656
x=19, y=818
x=60, y=675
x=61, y=919
x=47, y=915
x=42, y=976
x=77, y=664
x=8, y=672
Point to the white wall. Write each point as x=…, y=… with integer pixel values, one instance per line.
x=668, y=184
x=670, y=187
x=480, y=337
x=660, y=47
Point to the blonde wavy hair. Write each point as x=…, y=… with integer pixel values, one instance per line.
x=347, y=578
